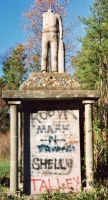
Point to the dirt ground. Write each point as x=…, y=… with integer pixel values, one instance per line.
x=4, y=145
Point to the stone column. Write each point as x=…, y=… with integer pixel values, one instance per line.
x=13, y=146
x=89, y=142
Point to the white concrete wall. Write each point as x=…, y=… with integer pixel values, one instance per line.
x=54, y=151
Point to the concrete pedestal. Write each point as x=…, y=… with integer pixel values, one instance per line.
x=89, y=142
x=41, y=93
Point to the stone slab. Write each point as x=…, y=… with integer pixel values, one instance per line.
x=49, y=94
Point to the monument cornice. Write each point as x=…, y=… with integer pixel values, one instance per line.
x=51, y=94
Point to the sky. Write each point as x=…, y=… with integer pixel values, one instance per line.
x=11, y=11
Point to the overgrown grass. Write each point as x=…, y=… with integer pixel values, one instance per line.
x=94, y=194
x=4, y=174
x=4, y=168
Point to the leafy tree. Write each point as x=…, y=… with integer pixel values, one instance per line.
x=91, y=70
x=34, y=26
x=4, y=110
x=14, y=68
x=91, y=61
x=14, y=72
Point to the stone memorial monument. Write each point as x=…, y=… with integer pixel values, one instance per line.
x=52, y=105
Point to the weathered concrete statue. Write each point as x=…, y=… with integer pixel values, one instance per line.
x=52, y=27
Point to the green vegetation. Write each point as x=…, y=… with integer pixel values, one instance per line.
x=95, y=194
x=4, y=174
x=91, y=70
x=91, y=67
x=4, y=168
x=14, y=73
x=14, y=67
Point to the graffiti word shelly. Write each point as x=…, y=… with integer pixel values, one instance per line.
x=52, y=129
x=38, y=164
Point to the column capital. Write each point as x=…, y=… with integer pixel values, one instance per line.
x=88, y=101
x=14, y=102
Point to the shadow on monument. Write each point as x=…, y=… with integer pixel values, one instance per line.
x=82, y=137
x=27, y=173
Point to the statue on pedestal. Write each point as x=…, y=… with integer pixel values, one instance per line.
x=52, y=35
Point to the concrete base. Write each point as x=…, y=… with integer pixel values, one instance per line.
x=38, y=89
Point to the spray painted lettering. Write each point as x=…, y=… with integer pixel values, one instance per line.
x=60, y=114
x=47, y=148
x=52, y=129
x=54, y=150
x=52, y=163
x=53, y=139
x=41, y=184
